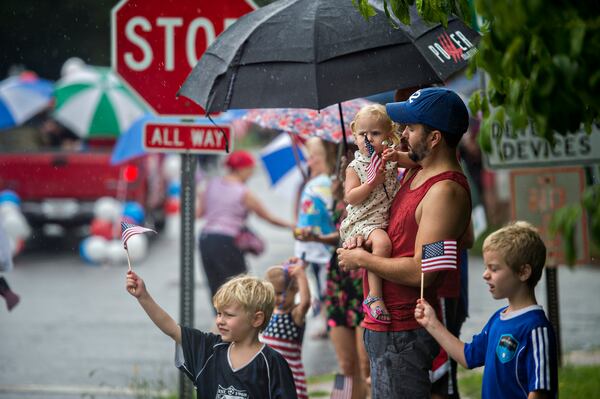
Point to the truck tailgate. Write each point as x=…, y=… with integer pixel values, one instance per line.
x=48, y=175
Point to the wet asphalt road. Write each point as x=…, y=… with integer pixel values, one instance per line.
x=77, y=333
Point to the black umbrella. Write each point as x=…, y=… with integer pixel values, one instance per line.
x=314, y=53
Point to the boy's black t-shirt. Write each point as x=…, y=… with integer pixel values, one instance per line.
x=204, y=358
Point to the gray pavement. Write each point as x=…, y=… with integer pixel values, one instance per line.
x=77, y=333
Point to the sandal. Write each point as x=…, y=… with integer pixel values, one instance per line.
x=375, y=314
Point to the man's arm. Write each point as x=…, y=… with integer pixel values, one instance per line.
x=443, y=214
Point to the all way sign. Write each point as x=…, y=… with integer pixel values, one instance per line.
x=180, y=137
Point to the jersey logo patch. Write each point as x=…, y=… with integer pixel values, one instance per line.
x=507, y=347
x=230, y=393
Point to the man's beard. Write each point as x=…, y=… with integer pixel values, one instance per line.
x=418, y=153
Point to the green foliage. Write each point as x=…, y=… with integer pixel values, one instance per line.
x=434, y=11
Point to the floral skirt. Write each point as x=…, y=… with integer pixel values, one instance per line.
x=343, y=296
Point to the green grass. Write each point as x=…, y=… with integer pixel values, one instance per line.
x=574, y=382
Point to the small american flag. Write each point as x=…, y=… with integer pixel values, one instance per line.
x=375, y=162
x=128, y=230
x=342, y=387
x=441, y=255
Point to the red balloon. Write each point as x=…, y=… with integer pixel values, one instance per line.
x=101, y=228
x=171, y=206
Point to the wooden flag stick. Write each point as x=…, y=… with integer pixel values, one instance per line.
x=129, y=262
x=422, y=283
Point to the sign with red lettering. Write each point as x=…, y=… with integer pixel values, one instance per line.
x=180, y=137
x=538, y=193
x=156, y=43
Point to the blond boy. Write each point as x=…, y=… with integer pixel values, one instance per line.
x=234, y=363
x=517, y=345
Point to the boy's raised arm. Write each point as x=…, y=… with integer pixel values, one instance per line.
x=425, y=316
x=136, y=287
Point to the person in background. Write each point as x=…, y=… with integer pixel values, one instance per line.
x=225, y=205
x=285, y=331
x=315, y=216
x=517, y=345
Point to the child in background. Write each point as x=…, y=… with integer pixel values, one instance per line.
x=369, y=194
x=234, y=363
x=285, y=330
x=517, y=345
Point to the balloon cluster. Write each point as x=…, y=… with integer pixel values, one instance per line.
x=14, y=223
x=171, y=171
x=104, y=243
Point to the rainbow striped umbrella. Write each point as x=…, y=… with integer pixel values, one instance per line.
x=93, y=102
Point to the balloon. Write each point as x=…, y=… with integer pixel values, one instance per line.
x=171, y=206
x=102, y=228
x=173, y=226
x=93, y=250
x=137, y=246
x=172, y=167
x=15, y=225
x=8, y=207
x=107, y=208
x=9, y=196
x=134, y=211
x=174, y=189
x=115, y=252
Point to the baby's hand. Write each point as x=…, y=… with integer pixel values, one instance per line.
x=134, y=284
x=390, y=155
x=424, y=313
x=297, y=270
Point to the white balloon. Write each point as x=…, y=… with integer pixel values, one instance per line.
x=107, y=208
x=71, y=65
x=173, y=226
x=15, y=225
x=116, y=253
x=172, y=167
x=8, y=207
x=137, y=246
x=96, y=248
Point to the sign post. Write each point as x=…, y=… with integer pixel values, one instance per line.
x=154, y=46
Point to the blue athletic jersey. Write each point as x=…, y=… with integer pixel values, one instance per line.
x=518, y=351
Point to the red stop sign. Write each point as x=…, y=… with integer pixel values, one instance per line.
x=156, y=43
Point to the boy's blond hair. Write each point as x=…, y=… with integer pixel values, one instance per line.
x=379, y=112
x=251, y=293
x=519, y=243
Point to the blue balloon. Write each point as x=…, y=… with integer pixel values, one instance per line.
x=9, y=196
x=133, y=211
x=174, y=189
x=83, y=252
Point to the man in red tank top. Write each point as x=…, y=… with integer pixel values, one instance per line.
x=432, y=205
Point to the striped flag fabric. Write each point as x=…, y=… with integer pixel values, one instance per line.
x=375, y=162
x=128, y=230
x=440, y=255
x=342, y=387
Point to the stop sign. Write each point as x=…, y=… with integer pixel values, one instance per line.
x=156, y=43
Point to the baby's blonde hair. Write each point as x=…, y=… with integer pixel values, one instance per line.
x=379, y=112
x=277, y=275
x=251, y=293
x=519, y=243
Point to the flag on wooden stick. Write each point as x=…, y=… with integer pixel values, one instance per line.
x=127, y=231
x=375, y=162
x=437, y=256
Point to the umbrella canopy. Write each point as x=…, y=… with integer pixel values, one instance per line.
x=314, y=53
x=21, y=97
x=325, y=124
x=129, y=144
x=93, y=102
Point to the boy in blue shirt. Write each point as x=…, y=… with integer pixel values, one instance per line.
x=517, y=345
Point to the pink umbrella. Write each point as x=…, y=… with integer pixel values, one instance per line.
x=325, y=124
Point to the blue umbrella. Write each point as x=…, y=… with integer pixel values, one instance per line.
x=21, y=97
x=129, y=145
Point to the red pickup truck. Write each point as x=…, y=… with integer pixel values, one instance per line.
x=60, y=187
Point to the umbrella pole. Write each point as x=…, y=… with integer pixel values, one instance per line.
x=297, y=156
x=345, y=140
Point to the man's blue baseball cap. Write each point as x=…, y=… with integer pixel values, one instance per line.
x=439, y=108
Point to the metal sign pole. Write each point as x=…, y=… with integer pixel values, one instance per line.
x=553, y=306
x=188, y=218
